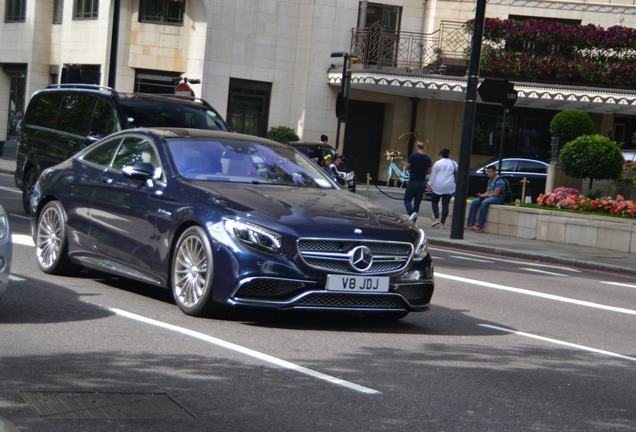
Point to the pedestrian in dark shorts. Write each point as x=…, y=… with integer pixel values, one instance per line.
x=419, y=166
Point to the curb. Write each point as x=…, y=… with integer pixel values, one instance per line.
x=7, y=171
x=534, y=257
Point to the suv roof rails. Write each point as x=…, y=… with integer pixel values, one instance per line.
x=81, y=86
x=190, y=98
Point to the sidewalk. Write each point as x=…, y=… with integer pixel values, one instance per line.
x=7, y=166
x=581, y=256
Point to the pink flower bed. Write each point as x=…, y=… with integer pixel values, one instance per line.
x=572, y=199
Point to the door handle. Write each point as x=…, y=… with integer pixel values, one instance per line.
x=107, y=180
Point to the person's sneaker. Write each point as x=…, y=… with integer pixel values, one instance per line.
x=441, y=226
x=468, y=226
x=435, y=222
x=413, y=217
x=478, y=228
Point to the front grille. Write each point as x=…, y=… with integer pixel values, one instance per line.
x=269, y=289
x=331, y=255
x=415, y=294
x=334, y=300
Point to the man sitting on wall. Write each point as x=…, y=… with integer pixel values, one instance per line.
x=493, y=195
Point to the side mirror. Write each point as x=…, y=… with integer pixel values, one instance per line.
x=139, y=170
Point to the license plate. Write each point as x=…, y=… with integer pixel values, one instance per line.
x=357, y=283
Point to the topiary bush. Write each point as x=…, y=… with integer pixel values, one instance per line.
x=571, y=124
x=593, y=157
x=282, y=134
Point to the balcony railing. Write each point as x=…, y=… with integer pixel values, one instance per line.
x=443, y=51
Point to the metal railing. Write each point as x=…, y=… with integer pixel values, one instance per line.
x=377, y=48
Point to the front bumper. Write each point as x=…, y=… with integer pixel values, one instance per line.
x=406, y=293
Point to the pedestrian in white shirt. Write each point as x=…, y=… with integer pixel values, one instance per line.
x=442, y=185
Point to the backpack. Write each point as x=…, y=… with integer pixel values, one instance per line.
x=507, y=191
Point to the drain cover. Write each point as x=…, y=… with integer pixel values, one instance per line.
x=94, y=405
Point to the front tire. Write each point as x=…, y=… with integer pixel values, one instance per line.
x=28, y=182
x=51, y=244
x=192, y=272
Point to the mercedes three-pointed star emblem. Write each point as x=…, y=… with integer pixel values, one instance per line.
x=361, y=258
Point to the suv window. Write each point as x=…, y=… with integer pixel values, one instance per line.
x=74, y=113
x=136, y=149
x=105, y=120
x=44, y=109
x=157, y=113
x=508, y=164
x=102, y=155
x=531, y=167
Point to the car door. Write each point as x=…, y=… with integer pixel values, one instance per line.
x=71, y=128
x=123, y=225
x=81, y=195
x=38, y=131
x=535, y=172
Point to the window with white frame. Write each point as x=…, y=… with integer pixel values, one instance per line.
x=15, y=11
x=162, y=11
x=85, y=9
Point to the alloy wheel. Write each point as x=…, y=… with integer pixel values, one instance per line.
x=49, y=237
x=190, y=273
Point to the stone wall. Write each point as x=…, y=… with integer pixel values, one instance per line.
x=563, y=227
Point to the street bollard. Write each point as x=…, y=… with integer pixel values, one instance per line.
x=368, y=183
x=524, y=182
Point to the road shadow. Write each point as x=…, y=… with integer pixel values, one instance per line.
x=33, y=301
x=450, y=387
x=438, y=321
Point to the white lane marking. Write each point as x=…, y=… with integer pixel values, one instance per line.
x=9, y=189
x=619, y=284
x=246, y=351
x=16, y=278
x=560, y=342
x=471, y=259
x=536, y=294
x=20, y=216
x=541, y=271
x=518, y=261
x=22, y=239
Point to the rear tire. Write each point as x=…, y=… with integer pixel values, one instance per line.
x=51, y=244
x=192, y=273
x=28, y=181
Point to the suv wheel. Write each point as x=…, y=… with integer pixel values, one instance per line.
x=28, y=182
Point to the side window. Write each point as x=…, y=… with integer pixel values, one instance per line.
x=531, y=167
x=105, y=120
x=508, y=164
x=136, y=149
x=43, y=110
x=102, y=155
x=74, y=113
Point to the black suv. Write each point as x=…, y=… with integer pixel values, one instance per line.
x=63, y=119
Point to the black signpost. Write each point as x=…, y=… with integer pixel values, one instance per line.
x=500, y=92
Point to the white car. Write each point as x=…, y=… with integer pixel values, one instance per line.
x=5, y=250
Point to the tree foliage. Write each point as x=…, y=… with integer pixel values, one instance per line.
x=571, y=124
x=282, y=134
x=593, y=157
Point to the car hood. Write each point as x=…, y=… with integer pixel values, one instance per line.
x=310, y=211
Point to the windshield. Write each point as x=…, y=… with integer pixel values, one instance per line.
x=158, y=113
x=239, y=161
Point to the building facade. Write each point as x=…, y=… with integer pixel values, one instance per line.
x=265, y=63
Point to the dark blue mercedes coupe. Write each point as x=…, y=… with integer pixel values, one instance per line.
x=227, y=220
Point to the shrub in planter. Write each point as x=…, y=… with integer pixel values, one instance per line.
x=571, y=124
x=282, y=134
x=593, y=157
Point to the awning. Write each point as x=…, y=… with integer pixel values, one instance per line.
x=531, y=95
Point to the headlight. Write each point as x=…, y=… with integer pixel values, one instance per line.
x=421, y=247
x=254, y=235
x=4, y=227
